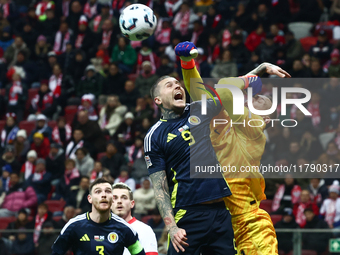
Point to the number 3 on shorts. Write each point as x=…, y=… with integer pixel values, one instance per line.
x=100, y=250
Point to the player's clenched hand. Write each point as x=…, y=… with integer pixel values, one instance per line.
x=178, y=238
x=186, y=51
x=276, y=70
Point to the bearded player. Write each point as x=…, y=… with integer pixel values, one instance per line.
x=240, y=146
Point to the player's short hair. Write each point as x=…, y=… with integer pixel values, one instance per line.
x=154, y=90
x=121, y=185
x=98, y=181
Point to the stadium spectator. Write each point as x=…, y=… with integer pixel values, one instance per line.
x=315, y=241
x=84, y=39
x=213, y=21
x=225, y=66
x=41, y=127
x=299, y=208
x=55, y=82
x=8, y=157
x=114, y=82
x=91, y=8
x=62, y=132
x=78, y=196
x=287, y=195
x=299, y=70
x=332, y=152
x=111, y=115
x=330, y=208
x=163, y=33
x=125, y=178
x=43, y=103
x=334, y=66
x=87, y=104
x=84, y=162
x=20, y=222
x=142, y=110
x=293, y=47
x=62, y=37
x=41, y=145
x=285, y=239
x=78, y=141
x=17, y=197
x=139, y=170
x=97, y=23
x=9, y=133
x=127, y=130
x=184, y=20
x=23, y=243
x=316, y=70
x=16, y=96
x=47, y=236
x=113, y=160
x=239, y=52
x=40, y=180
x=91, y=130
x=70, y=178
x=130, y=95
x=75, y=12
x=91, y=83
x=108, y=36
x=98, y=171
x=304, y=123
x=41, y=49
x=6, y=38
x=310, y=145
x=21, y=145
x=55, y=163
x=50, y=26
x=323, y=48
x=12, y=51
x=166, y=67
x=69, y=213
x=156, y=223
x=146, y=54
x=135, y=151
x=28, y=168
x=29, y=36
x=267, y=49
x=124, y=55
x=318, y=190
x=255, y=38
x=5, y=178
x=144, y=198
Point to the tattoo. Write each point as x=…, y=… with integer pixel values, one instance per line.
x=162, y=196
x=168, y=113
x=260, y=70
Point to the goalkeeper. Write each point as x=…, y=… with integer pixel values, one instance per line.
x=240, y=145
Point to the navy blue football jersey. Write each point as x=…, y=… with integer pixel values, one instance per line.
x=86, y=237
x=178, y=146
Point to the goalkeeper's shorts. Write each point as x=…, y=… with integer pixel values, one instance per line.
x=254, y=233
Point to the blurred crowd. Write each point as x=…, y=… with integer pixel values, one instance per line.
x=74, y=99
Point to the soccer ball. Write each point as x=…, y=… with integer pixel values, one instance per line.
x=137, y=22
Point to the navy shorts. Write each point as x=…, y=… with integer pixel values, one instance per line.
x=208, y=228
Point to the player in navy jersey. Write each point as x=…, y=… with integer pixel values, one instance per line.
x=98, y=232
x=192, y=208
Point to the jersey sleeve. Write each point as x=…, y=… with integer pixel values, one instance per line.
x=149, y=241
x=132, y=243
x=63, y=243
x=154, y=156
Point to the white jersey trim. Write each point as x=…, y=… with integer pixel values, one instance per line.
x=73, y=220
x=147, y=139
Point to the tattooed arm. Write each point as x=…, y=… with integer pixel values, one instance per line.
x=269, y=69
x=162, y=195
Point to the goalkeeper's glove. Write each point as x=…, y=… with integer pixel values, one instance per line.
x=254, y=82
x=187, y=51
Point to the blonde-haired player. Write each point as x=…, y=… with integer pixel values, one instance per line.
x=241, y=146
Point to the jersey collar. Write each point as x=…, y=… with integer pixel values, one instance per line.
x=132, y=220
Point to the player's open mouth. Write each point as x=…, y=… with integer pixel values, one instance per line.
x=104, y=202
x=178, y=96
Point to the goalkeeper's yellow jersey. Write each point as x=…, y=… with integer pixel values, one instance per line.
x=236, y=146
x=241, y=147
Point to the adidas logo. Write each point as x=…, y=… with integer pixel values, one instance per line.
x=85, y=238
x=170, y=137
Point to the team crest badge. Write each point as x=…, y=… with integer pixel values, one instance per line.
x=112, y=237
x=194, y=120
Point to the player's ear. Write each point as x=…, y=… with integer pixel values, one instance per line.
x=158, y=101
x=89, y=198
x=132, y=204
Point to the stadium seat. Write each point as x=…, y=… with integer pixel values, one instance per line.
x=2, y=124
x=100, y=155
x=5, y=221
x=275, y=218
x=146, y=218
x=132, y=77
x=52, y=124
x=29, y=126
x=266, y=205
x=70, y=111
x=308, y=252
x=308, y=42
x=55, y=205
x=300, y=29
